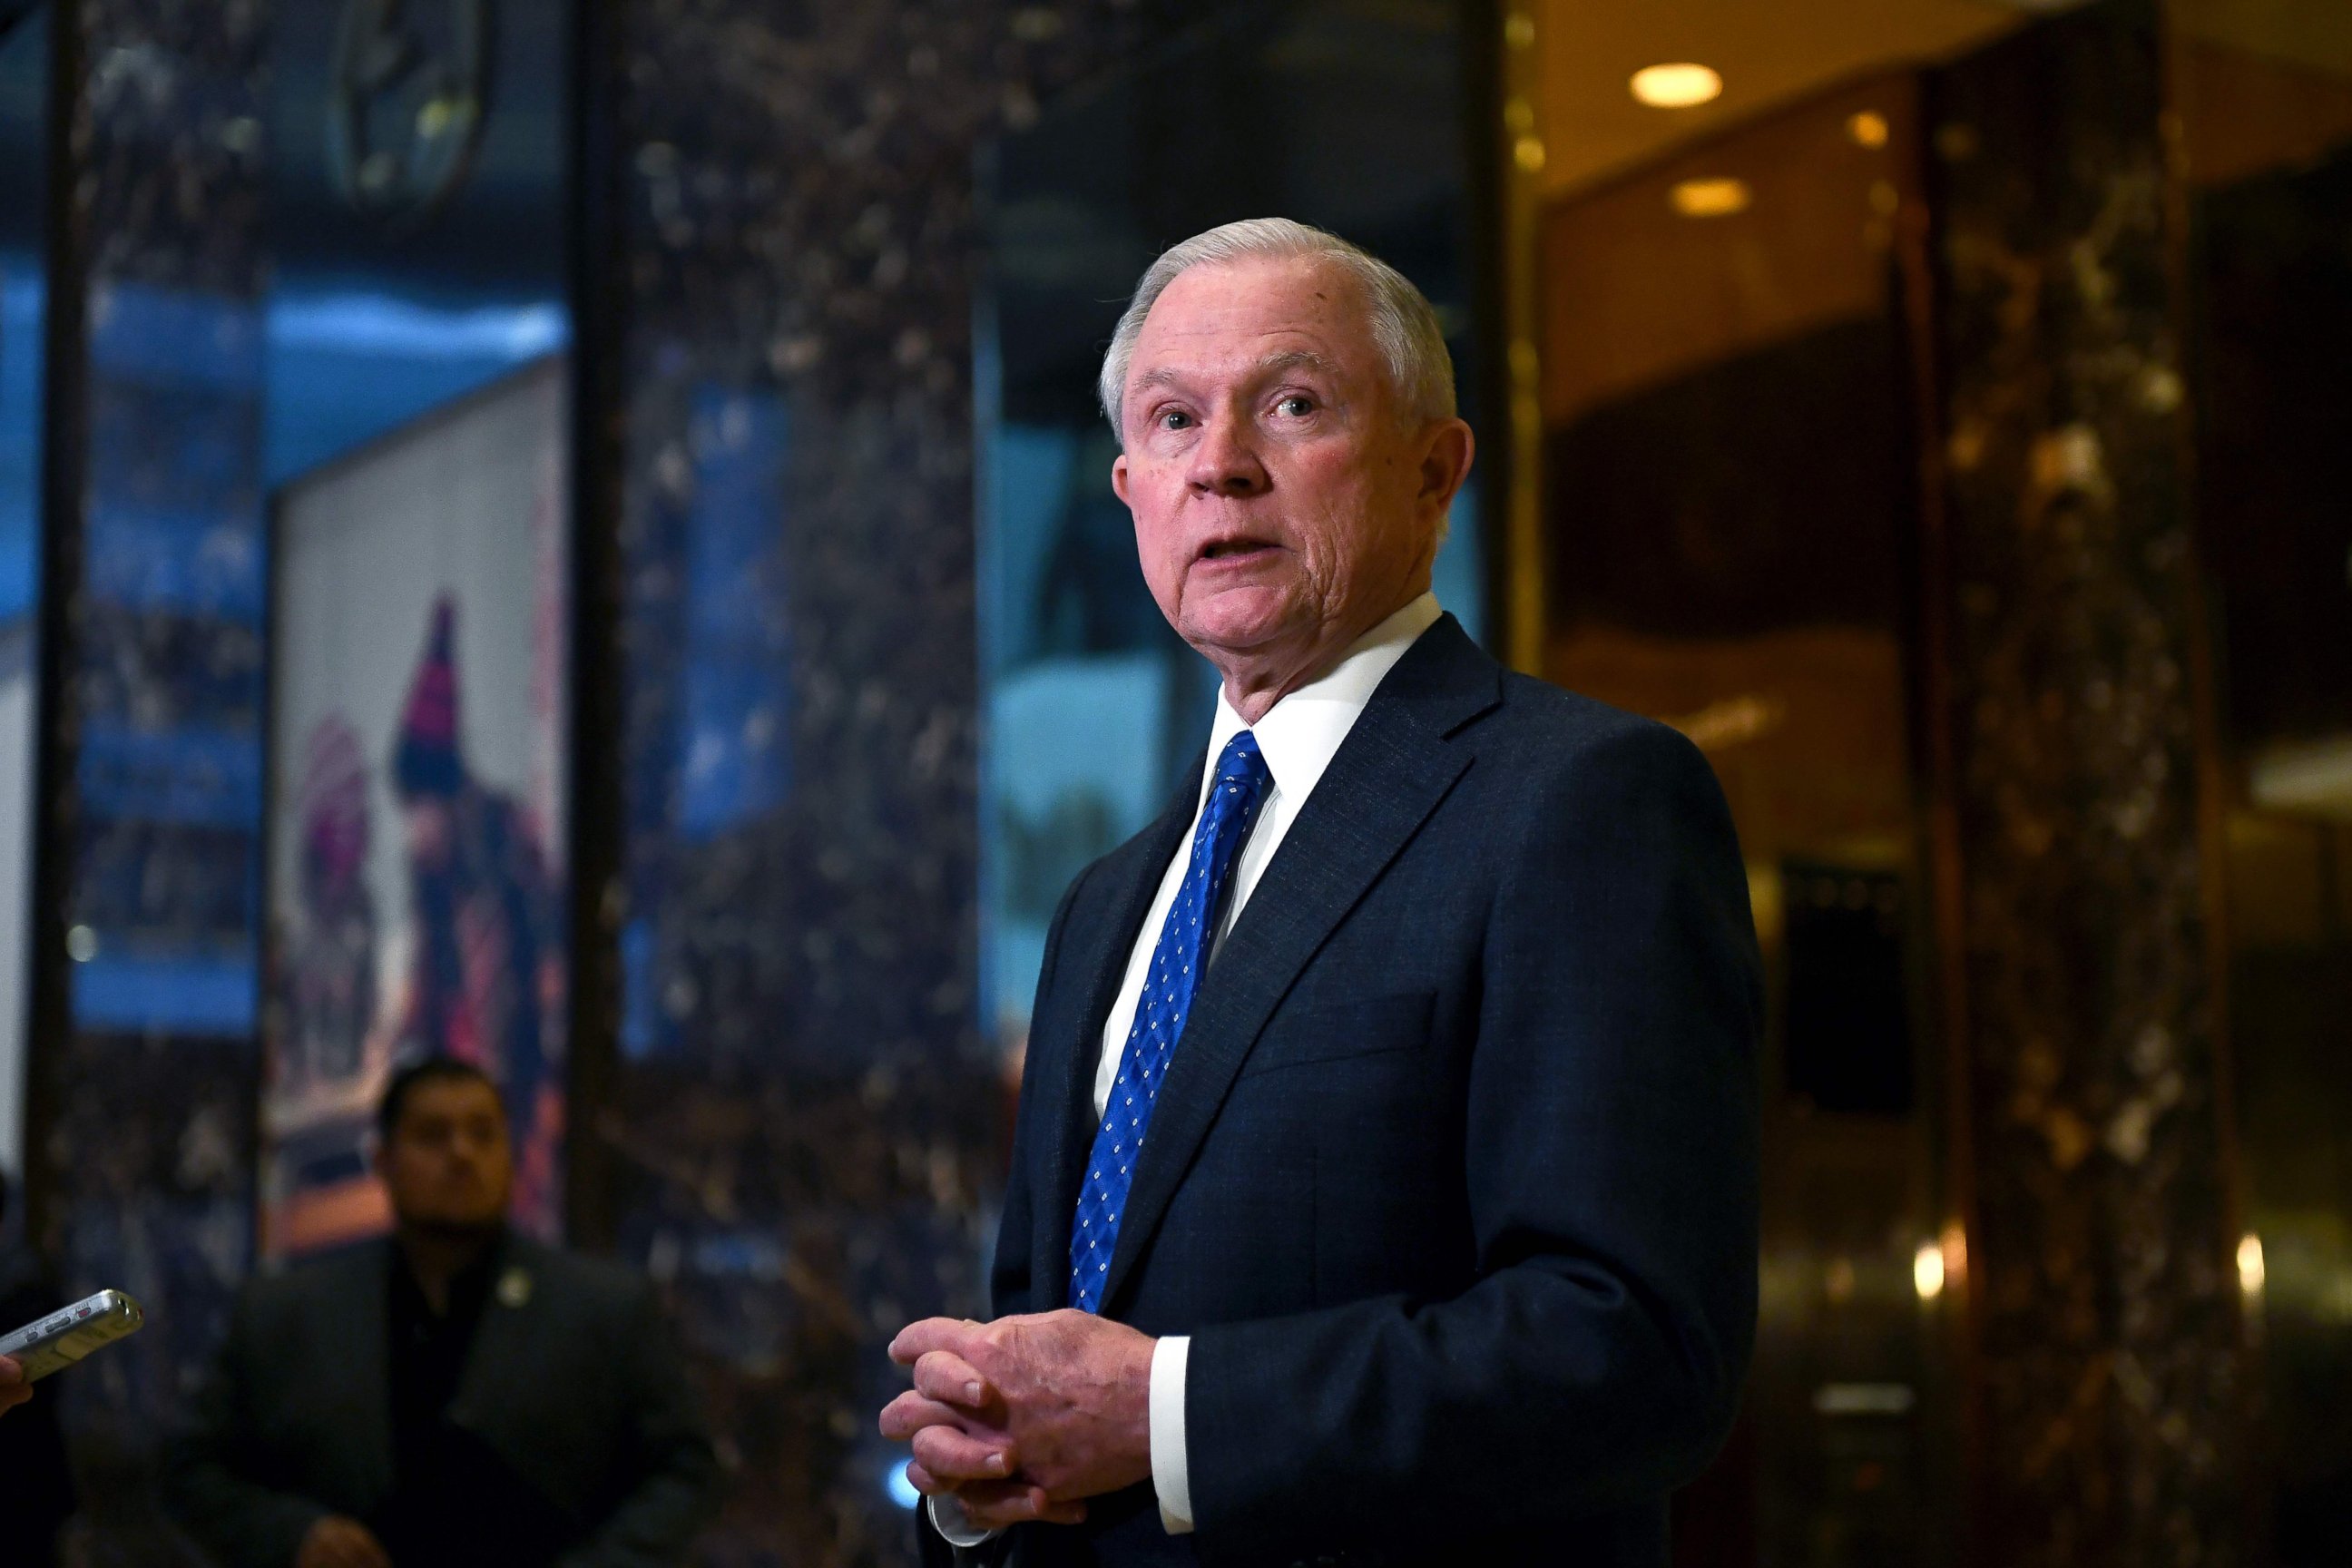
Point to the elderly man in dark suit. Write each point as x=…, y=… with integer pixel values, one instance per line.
x=457, y=1396
x=1384, y=1187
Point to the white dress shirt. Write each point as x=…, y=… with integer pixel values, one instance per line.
x=1299, y=736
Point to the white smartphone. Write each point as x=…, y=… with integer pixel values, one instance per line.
x=55, y=1342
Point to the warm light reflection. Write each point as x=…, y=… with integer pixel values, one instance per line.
x=1868, y=128
x=1678, y=85
x=1955, y=1252
x=1927, y=1270
x=2252, y=1275
x=1711, y=198
x=2313, y=776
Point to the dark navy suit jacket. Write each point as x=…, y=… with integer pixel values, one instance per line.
x=1452, y=1179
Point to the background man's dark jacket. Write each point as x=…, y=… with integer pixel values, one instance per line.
x=1452, y=1179
x=573, y=1385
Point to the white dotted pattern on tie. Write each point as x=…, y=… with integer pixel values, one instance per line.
x=1233, y=801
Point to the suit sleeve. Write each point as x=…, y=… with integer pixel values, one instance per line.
x=1611, y=1165
x=670, y=1473
x=1010, y=1291
x=211, y=1478
x=1010, y=1288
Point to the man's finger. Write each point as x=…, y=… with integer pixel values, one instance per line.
x=911, y=1413
x=14, y=1389
x=948, y=1378
x=351, y=1546
x=918, y=1340
x=1003, y=1504
x=954, y=1456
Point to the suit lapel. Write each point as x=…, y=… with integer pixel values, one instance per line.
x=505, y=1366
x=1389, y=775
x=1101, y=933
x=358, y=1365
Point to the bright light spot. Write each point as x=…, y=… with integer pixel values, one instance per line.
x=1956, y=1255
x=1928, y=1271
x=902, y=1490
x=1678, y=85
x=1868, y=128
x=1529, y=151
x=81, y=944
x=378, y=324
x=2251, y=1272
x=1711, y=198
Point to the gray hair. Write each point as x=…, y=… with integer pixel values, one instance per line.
x=1403, y=323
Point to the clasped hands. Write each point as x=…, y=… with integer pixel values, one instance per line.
x=1023, y=1418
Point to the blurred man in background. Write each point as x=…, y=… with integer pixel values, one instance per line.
x=38, y=1483
x=458, y=1395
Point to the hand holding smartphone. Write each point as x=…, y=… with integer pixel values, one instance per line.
x=56, y=1342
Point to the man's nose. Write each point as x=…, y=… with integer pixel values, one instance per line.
x=1225, y=461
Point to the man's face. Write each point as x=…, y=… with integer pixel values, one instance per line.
x=1279, y=498
x=447, y=1164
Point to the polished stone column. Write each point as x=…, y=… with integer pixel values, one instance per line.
x=144, y=1142
x=804, y=1117
x=2105, y=1358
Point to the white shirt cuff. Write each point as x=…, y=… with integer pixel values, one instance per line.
x=949, y=1520
x=1169, y=1477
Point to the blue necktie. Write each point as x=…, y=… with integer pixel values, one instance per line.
x=1177, y=961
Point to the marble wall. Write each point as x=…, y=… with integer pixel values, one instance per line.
x=806, y=1116
x=2105, y=1352
x=145, y=1164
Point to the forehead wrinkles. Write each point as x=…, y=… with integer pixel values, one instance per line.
x=1242, y=317
x=1248, y=369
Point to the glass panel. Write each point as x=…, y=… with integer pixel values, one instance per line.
x=2265, y=96
x=289, y=280
x=415, y=447
x=1345, y=114
x=24, y=210
x=1732, y=494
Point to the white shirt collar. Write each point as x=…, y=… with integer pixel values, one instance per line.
x=1300, y=734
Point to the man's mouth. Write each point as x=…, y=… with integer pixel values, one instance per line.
x=1234, y=549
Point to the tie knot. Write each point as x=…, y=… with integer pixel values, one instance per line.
x=1240, y=765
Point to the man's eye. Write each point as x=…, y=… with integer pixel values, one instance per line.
x=1174, y=419
x=1297, y=405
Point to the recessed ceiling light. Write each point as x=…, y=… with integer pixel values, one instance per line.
x=1711, y=198
x=1679, y=86
x=1868, y=128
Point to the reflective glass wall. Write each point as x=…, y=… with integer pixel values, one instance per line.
x=1733, y=506
x=2265, y=95
x=319, y=671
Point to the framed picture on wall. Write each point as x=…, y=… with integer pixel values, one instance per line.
x=415, y=886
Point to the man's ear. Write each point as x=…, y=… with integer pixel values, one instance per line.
x=1445, y=460
x=1119, y=479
